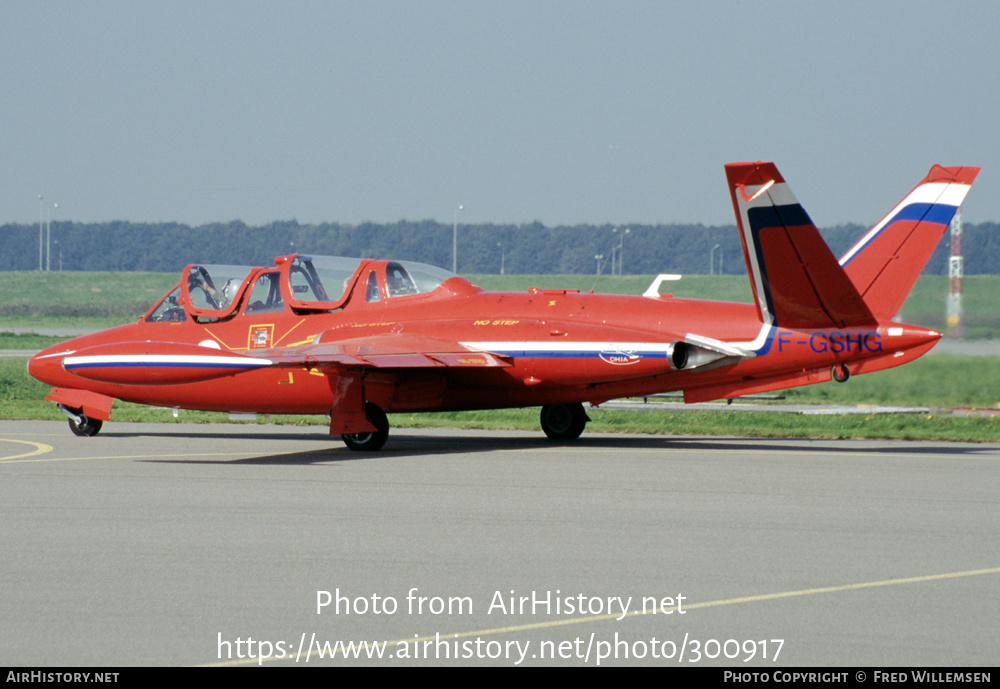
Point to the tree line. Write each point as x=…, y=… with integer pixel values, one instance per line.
x=530, y=248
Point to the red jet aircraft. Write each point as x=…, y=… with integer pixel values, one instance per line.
x=357, y=338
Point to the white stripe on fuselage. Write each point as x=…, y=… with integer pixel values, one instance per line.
x=163, y=360
x=565, y=348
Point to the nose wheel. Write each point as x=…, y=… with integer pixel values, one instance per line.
x=564, y=421
x=81, y=425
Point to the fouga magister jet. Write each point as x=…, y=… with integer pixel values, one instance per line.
x=357, y=338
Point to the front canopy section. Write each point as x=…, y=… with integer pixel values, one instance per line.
x=213, y=291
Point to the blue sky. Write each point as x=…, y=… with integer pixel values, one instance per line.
x=562, y=112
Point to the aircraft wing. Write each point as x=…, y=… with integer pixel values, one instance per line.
x=391, y=350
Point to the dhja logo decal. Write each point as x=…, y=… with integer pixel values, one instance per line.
x=620, y=357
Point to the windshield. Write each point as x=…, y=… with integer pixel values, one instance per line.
x=425, y=278
x=168, y=310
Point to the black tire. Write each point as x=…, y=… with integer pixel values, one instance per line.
x=369, y=442
x=564, y=421
x=841, y=373
x=87, y=426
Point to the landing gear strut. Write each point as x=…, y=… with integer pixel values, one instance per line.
x=564, y=421
x=81, y=425
x=369, y=442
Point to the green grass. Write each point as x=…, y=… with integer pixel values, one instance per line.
x=29, y=341
x=937, y=380
x=981, y=313
x=103, y=300
x=78, y=299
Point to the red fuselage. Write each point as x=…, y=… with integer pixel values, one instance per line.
x=546, y=347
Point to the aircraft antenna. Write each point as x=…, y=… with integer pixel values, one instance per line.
x=955, y=272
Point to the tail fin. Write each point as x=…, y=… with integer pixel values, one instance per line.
x=797, y=282
x=885, y=263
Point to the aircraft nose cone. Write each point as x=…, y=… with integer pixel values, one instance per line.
x=46, y=366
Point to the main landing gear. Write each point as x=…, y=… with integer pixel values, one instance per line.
x=369, y=442
x=564, y=421
x=561, y=422
x=81, y=425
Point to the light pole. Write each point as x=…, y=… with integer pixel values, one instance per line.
x=41, y=217
x=621, y=251
x=454, y=239
x=48, y=236
x=711, y=260
x=598, y=258
x=500, y=244
x=614, y=250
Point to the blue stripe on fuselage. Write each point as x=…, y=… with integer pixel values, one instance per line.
x=768, y=341
x=578, y=354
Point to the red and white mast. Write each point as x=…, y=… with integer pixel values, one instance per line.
x=955, y=272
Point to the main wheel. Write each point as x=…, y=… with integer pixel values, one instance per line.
x=564, y=421
x=369, y=442
x=87, y=426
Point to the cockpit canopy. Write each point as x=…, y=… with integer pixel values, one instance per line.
x=324, y=282
x=213, y=289
x=303, y=283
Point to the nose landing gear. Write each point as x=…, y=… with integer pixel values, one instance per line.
x=81, y=425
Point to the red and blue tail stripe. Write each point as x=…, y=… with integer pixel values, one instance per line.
x=886, y=261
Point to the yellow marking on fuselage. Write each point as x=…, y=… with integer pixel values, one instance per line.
x=287, y=332
x=370, y=325
x=290, y=381
x=213, y=336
